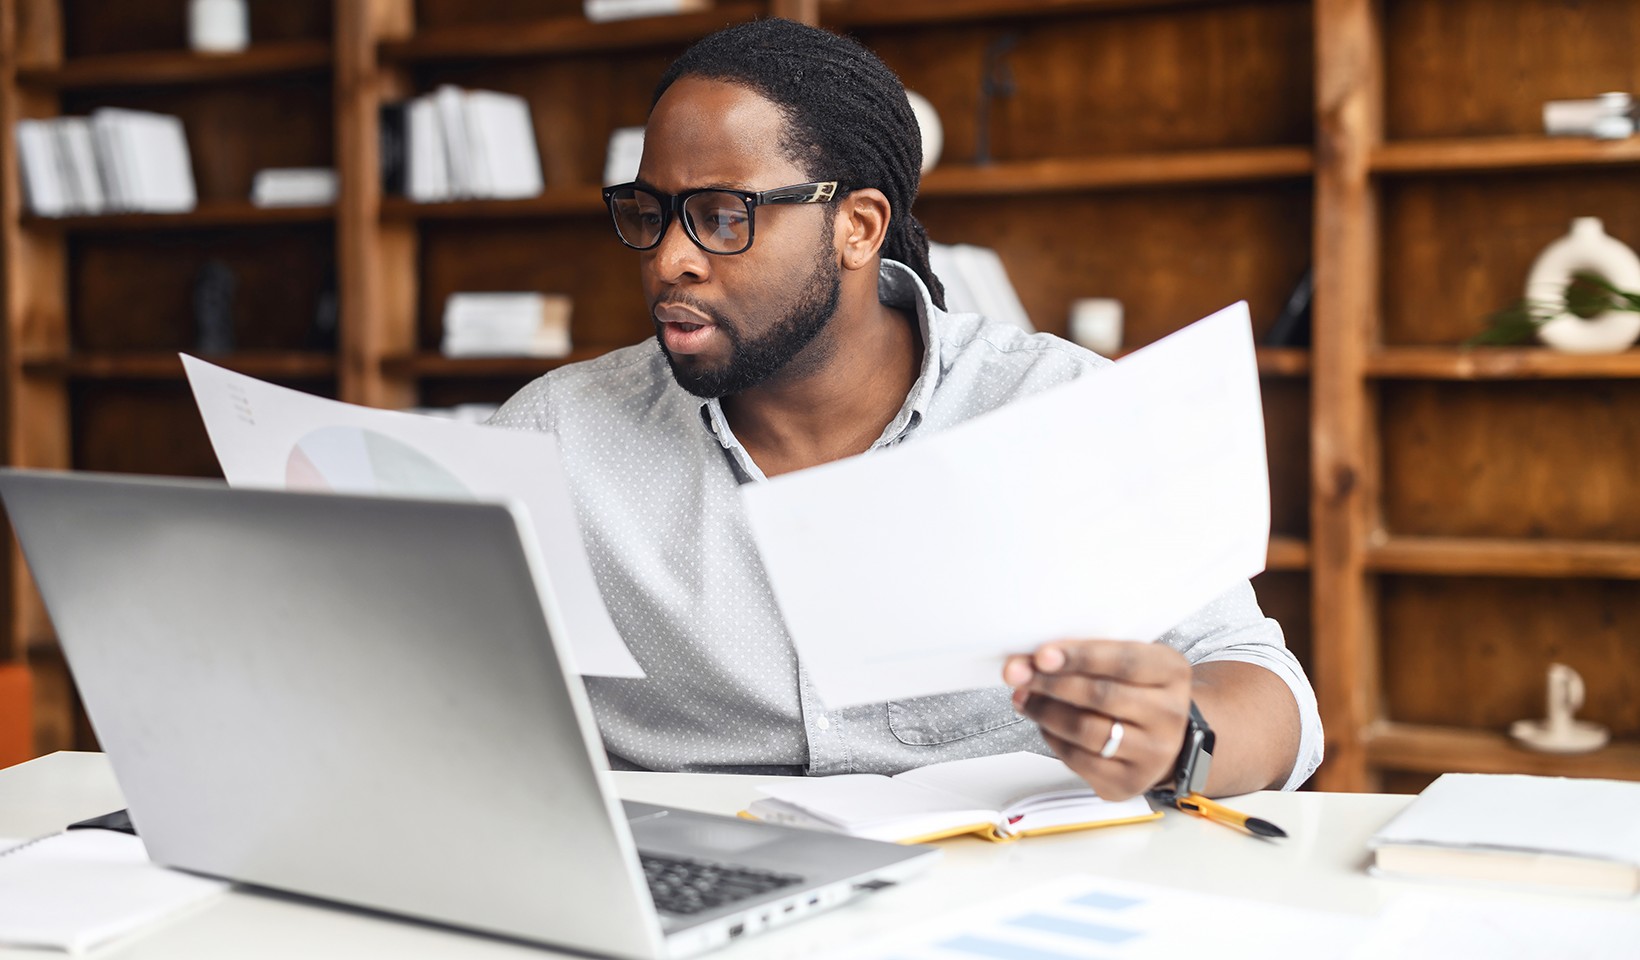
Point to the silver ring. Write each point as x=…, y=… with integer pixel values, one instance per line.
x=1113, y=741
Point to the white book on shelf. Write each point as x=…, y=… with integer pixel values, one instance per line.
x=43, y=185
x=294, y=187
x=601, y=10
x=428, y=176
x=976, y=282
x=110, y=162
x=75, y=141
x=506, y=325
x=151, y=150
x=625, y=155
x=502, y=136
x=458, y=153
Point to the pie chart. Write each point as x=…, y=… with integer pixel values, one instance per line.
x=358, y=460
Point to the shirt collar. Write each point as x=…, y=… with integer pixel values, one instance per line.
x=898, y=286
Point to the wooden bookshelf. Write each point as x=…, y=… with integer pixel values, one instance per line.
x=166, y=68
x=287, y=365
x=1438, y=513
x=1499, y=363
x=212, y=214
x=1066, y=175
x=1471, y=154
x=1428, y=749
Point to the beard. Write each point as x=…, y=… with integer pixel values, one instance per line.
x=756, y=360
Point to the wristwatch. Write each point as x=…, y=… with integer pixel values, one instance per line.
x=1195, y=759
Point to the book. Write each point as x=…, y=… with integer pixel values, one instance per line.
x=1002, y=797
x=294, y=187
x=144, y=159
x=75, y=890
x=506, y=325
x=600, y=11
x=1515, y=830
x=501, y=137
x=43, y=185
x=976, y=281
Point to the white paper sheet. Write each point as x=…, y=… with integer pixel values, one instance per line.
x=75, y=890
x=1082, y=917
x=270, y=436
x=1114, y=506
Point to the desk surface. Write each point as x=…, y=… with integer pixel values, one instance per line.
x=1322, y=866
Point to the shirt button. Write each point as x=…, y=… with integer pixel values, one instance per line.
x=823, y=722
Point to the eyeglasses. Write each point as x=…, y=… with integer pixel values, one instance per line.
x=717, y=220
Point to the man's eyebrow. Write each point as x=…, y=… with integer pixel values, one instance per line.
x=734, y=185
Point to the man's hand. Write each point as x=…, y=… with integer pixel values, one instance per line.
x=1078, y=690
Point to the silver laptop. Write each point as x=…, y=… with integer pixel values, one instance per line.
x=362, y=700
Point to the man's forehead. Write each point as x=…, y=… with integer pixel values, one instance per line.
x=709, y=132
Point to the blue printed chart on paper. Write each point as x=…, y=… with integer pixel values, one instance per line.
x=1086, y=918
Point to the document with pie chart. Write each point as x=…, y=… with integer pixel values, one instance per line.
x=271, y=436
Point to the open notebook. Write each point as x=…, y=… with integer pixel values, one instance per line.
x=73, y=891
x=1000, y=798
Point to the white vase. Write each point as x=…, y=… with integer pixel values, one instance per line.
x=218, y=26
x=1586, y=249
x=928, y=124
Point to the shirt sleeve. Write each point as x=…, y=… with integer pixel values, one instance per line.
x=1232, y=627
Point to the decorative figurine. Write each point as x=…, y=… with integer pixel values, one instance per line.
x=1560, y=732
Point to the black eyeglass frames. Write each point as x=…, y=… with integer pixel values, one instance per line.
x=717, y=220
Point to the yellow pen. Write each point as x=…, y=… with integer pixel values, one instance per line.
x=1209, y=810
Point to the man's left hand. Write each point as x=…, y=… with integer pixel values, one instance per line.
x=1078, y=691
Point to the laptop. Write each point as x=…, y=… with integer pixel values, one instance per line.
x=368, y=701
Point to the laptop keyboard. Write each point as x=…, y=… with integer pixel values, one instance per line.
x=682, y=886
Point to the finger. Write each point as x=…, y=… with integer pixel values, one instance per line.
x=1147, y=664
x=1141, y=705
x=1113, y=779
x=1017, y=670
x=1091, y=731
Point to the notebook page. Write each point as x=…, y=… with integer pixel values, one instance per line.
x=859, y=799
x=75, y=890
x=1002, y=781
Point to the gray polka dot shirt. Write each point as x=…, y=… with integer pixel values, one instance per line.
x=655, y=473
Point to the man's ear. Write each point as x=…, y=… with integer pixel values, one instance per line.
x=862, y=226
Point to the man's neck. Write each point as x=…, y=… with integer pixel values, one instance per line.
x=841, y=408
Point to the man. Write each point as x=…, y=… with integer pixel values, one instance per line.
x=798, y=322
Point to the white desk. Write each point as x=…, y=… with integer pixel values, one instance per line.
x=1321, y=866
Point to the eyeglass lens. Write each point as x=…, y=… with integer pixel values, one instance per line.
x=718, y=221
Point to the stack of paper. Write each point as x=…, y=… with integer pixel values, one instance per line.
x=115, y=160
x=506, y=325
x=1551, y=832
x=468, y=144
x=294, y=187
x=975, y=281
x=599, y=10
x=75, y=890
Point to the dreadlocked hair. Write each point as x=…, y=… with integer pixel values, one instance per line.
x=847, y=117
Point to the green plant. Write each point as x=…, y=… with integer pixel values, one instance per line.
x=1587, y=295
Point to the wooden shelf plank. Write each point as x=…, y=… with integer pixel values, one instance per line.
x=1478, y=557
x=1062, y=175
x=1501, y=154
x=174, y=67
x=579, y=201
x=1288, y=554
x=1284, y=361
x=1499, y=363
x=236, y=213
x=560, y=35
x=164, y=365
x=874, y=13
x=438, y=366
x=1426, y=749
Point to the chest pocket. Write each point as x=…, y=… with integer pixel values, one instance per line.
x=942, y=718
